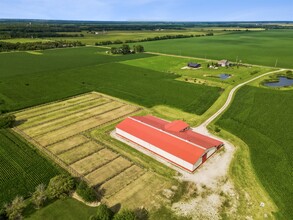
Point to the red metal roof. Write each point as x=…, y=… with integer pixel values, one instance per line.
x=176, y=126
x=194, y=137
x=187, y=145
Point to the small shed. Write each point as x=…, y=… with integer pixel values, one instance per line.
x=223, y=63
x=194, y=65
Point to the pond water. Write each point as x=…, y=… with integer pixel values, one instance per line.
x=283, y=81
x=224, y=76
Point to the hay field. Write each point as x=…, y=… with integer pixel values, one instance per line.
x=60, y=130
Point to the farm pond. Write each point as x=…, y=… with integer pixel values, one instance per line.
x=282, y=82
x=224, y=76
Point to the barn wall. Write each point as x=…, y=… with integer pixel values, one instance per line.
x=211, y=151
x=156, y=150
x=197, y=164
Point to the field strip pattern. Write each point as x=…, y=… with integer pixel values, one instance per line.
x=55, y=106
x=147, y=182
x=67, y=144
x=94, y=161
x=45, y=127
x=108, y=171
x=58, y=129
x=81, y=126
x=44, y=118
x=120, y=181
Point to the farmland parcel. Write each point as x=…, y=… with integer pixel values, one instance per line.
x=47, y=78
x=22, y=168
x=60, y=130
x=262, y=118
x=262, y=48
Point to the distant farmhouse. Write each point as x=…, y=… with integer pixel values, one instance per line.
x=223, y=63
x=194, y=65
x=173, y=141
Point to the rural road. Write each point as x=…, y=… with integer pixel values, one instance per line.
x=203, y=126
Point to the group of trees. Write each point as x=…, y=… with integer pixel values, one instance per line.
x=87, y=193
x=58, y=187
x=6, y=46
x=105, y=213
x=6, y=121
x=125, y=49
x=165, y=37
x=14, y=34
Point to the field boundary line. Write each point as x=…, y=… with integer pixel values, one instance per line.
x=64, y=151
x=116, y=152
x=111, y=177
x=101, y=165
x=83, y=157
x=121, y=188
x=44, y=122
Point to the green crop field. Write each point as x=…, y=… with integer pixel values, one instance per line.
x=255, y=47
x=29, y=79
x=262, y=118
x=21, y=167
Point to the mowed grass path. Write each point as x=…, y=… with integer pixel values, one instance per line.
x=263, y=119
x=261, y=48
x=21, y=167
x=29, y=80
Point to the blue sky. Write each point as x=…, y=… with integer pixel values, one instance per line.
x=149, y=10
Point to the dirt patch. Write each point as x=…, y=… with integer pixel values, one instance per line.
x=216, y=194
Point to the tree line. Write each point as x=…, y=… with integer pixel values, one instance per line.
x=125, y=49
x=165, y=37
x=19, y=34
x=7, y=46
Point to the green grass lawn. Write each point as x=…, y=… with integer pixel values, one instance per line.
x=69, y=209
x=262, y=118
x=257, y=47
x=174, y=65
x=22, y=168
x=30, y=79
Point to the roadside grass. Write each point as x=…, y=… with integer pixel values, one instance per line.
x=22, y=167
x=256, y=47
x=262, y=118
